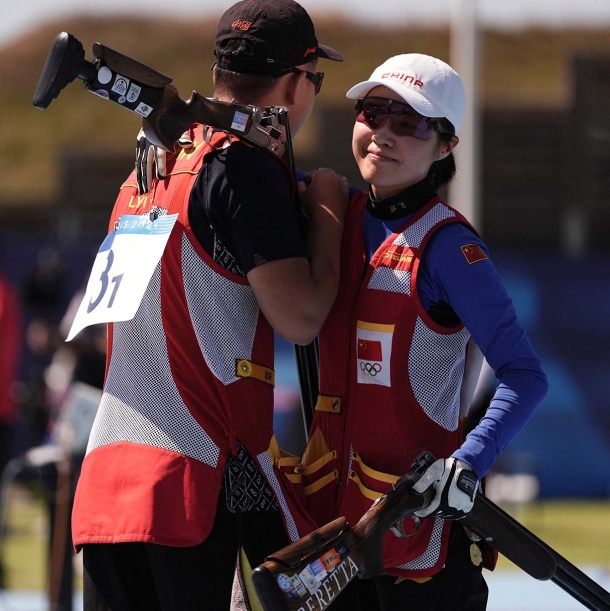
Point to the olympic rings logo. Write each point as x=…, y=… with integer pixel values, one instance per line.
x=369, y=369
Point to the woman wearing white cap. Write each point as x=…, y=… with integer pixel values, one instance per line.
x=420, y=300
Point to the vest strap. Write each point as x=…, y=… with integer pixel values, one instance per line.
x=248, y=369
x=328, y=404
x=378, y=475
x=367, y=492
x=318, y=464
x=320, y=483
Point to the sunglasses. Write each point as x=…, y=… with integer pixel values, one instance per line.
x=315, y=77
x=403, y=120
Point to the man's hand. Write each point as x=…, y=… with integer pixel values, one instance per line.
x=456, y=485
x=150, y=157
x=324, y=192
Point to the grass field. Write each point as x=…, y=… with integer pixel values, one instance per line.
x=24, y=545
x=578, y=530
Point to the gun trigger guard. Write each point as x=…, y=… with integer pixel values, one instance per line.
x=399, y=528
x=208, y=132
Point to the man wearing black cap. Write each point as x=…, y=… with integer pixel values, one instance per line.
x=182, y=469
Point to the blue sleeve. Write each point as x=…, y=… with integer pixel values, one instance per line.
x=477, y=295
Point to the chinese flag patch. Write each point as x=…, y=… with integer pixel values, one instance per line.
x=473, y=253
x=369, y=350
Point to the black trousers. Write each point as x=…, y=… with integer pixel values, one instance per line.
x=459, y=586
x=149, y=577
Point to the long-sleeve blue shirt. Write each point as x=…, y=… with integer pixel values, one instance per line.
x=474, y=292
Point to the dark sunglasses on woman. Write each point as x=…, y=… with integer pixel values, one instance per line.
x=404, y=120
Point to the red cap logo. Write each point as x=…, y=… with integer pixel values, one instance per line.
x=310, y=50
x=241, y=25
x=404, y=77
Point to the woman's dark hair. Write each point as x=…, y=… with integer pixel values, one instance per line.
x=442, y=171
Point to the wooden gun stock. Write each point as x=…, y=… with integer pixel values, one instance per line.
x=309, y=574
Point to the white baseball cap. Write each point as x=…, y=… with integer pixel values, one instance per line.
x=432, y=87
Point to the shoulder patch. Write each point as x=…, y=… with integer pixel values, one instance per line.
x=473, y=253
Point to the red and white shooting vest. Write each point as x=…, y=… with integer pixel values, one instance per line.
x=391, y=380
x=186, y=377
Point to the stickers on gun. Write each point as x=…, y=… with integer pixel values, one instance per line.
x=298, y=586
x=121, y=84
x=240, y=120
x=285, y=584
x=143, y=109
x=101, y=92
x=312, y=575
x=330, y=560
x=134, y=93
x=342, y=549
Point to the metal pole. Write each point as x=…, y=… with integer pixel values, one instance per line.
x=464, y=190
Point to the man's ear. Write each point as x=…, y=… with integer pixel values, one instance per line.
x=294, y=81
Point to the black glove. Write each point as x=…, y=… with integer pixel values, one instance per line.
x=149, y=156
x=456, y=485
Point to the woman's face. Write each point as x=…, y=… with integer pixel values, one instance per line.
x=391, y=163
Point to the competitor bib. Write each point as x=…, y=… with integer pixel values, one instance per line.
x=122, y=270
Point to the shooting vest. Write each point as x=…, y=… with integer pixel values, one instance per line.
x=189, y=375
x=390, y=386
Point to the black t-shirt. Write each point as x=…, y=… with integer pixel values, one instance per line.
x=241, y=210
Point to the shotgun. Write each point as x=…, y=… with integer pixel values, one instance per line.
x=309, y=574
x=150, y=94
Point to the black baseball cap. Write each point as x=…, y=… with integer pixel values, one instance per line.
x=276, y=34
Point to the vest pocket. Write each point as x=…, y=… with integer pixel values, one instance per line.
x=285, y=463
x=319, y=471
x=292, y=500
x=364, y=486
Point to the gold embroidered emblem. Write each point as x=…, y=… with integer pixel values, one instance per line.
x=475, y=554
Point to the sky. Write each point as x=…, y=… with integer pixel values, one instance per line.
x=19, y=16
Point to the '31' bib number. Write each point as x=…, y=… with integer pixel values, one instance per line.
x=122, y=270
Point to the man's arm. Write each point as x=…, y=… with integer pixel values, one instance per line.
x=296, y=294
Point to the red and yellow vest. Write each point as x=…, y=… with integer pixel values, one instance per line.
x=390, y=382
x=190, y=374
